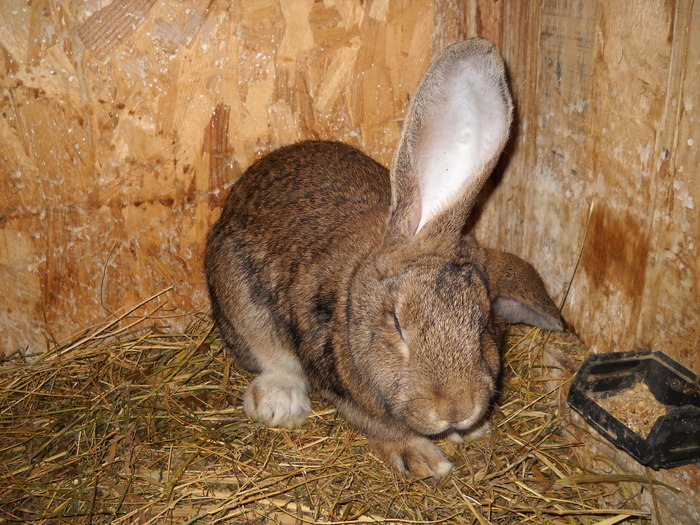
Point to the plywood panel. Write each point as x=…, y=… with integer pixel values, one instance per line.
x=123, y=123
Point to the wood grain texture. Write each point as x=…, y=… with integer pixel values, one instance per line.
x=123, y=124
x=606, y=99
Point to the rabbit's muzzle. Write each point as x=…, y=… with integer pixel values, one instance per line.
x=446, y=409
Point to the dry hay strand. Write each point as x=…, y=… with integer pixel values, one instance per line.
x=149, y=428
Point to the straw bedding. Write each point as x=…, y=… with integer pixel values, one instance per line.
x=124, y=426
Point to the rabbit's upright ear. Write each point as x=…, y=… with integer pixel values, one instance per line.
x=455, y=128
x=519, y=295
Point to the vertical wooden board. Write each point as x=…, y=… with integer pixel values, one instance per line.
x=630, y=88
x=499, y=219
x=605, y=117
x=556, y=203
x=670, y=313
x=537, y=205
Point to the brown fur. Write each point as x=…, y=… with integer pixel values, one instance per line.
x=318, y=274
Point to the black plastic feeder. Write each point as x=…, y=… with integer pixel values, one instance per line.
x=674, y=438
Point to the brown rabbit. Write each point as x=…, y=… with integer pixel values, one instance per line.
x=327, y=271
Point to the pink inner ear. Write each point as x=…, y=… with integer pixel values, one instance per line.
x=463, y=128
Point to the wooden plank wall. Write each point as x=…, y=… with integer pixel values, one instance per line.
x=124, y=122
x=607, y=99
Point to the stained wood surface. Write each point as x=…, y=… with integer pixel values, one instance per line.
x=607, y=100
x=123, y=124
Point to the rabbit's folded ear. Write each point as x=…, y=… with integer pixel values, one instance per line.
x=519, y=295
x=455, y=128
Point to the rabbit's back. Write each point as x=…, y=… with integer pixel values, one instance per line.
x=294, y=200
x=291, y=231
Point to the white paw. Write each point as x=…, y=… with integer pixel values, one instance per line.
x=277, y=400
x=456, y=437
x=476, y=432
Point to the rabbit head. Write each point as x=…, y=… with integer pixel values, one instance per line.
x=421, y=335
x=420, y=324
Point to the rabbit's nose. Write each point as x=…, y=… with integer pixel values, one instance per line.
x=455, y=408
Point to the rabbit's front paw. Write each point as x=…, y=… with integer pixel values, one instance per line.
x=277, y=400
x=476, y=432
x=415, y=457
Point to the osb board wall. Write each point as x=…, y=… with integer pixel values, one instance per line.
x=124, y=122
x=607, y=99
